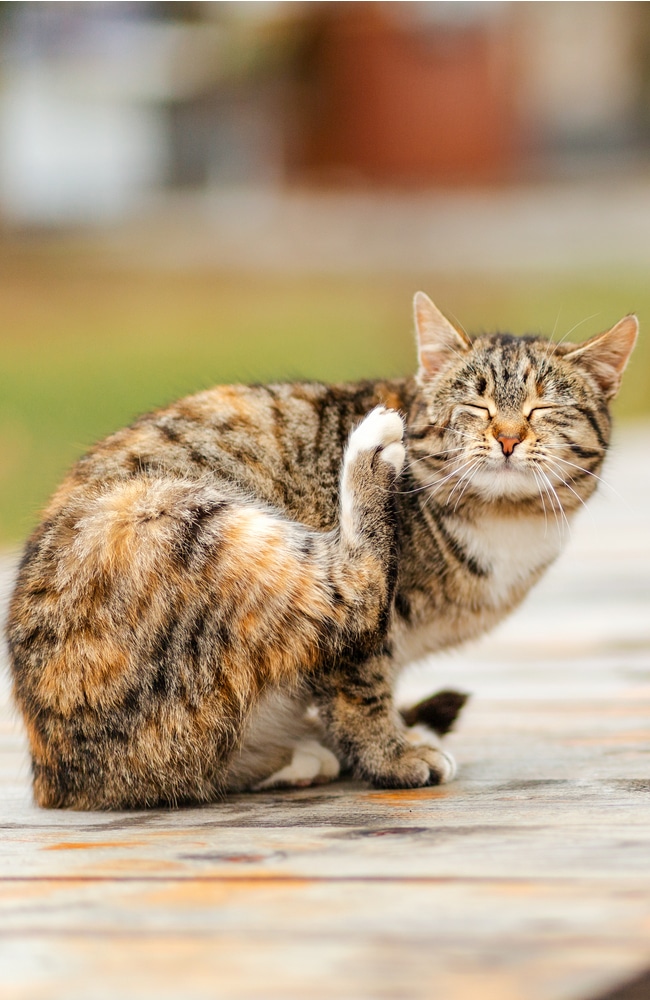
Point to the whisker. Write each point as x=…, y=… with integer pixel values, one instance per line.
x=452, y=430
x=556, y=344
x=558, y=523
x=469, y=475
x=458, y=323
x=588, y=472
x=565, y=484
x=433, y=455
x=557, y=320
x=541, y=496
x=553, y=491
x=465, y=435
x=552, y=344
x=436, y=484
x=568, y=486
x=575, y=327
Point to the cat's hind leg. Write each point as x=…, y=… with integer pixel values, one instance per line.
x=281, y=746
x=311, y=764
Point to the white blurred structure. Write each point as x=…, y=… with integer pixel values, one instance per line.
x=82, y=136
x=103, y=105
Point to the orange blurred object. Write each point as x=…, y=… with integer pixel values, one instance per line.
x=409, y=101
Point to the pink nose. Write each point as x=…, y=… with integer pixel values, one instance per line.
x=508, y=444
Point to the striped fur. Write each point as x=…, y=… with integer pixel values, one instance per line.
x=235, y=579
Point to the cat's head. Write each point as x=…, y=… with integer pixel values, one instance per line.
x=509, y=418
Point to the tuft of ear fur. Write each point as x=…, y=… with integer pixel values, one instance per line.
x=438, y=341
x=607, y=354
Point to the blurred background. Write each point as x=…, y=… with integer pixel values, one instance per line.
x=193, y=193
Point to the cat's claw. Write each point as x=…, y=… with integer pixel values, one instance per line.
x=416, y=767
x=381, y=431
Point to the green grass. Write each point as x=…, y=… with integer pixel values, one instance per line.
x=86, y=348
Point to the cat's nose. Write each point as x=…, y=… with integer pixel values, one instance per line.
x=508, y=444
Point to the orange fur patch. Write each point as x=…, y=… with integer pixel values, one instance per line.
x=84, y=673
x=389, y=398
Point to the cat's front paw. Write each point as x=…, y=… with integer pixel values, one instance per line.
x=415, y=767
x=382, y=434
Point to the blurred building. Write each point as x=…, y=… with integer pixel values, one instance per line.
x=413, y=93
x=104, y=105
x=82, y=135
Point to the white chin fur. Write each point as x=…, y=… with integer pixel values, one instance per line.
x=511, y=483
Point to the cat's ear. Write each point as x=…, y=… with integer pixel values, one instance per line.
x=438, y=340
x=607, y=354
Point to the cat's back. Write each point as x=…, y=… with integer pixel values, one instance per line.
x=147, y=489
x=138, y=503
x=279, y=443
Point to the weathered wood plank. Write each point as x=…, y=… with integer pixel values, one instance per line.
x=526, y=879
x=456, y=852
x=324, y=939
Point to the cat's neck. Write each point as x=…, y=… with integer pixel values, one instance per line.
x=512, y=550
x=489, y=565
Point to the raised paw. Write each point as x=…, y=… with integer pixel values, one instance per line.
x=415, y=767
x=380, y=432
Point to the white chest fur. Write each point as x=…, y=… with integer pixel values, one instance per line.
x=512, y=552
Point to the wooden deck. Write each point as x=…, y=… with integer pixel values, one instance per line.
x=526, y=879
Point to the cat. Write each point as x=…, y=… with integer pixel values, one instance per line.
x=220, y=596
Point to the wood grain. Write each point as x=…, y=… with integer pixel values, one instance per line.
x=526, y=879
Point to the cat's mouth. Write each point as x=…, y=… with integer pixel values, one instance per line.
x=505, y=477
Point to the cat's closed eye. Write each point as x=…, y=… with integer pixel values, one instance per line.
x=477, y=410
x=539, y=410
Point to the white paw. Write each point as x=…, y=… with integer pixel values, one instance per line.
x=445, y=765
x=421, y=736
x=382, y=430
x=432, y=761
x=311, y=764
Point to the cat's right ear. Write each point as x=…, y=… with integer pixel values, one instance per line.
x=607, y=354
x=438, y=340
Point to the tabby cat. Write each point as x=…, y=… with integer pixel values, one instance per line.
x=220, y=596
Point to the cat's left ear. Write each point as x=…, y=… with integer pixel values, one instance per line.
x=607, y=354
x=438, y=340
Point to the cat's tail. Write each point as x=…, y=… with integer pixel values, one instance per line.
x=439, y=712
